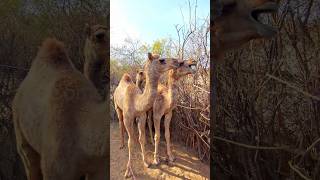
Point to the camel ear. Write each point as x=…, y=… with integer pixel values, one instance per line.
x=150, y=57
x=87, y=29
x=192, y=61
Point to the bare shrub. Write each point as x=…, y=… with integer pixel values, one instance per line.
x=267, y=117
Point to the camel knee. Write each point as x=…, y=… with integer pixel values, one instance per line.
x=130, y=142
x=157, y=137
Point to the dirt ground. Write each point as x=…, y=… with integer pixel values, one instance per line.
x=186, y=165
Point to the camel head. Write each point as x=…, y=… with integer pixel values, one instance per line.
x=161, y=65
x=96, y=53
x=140, y=78
x=186, y=67
x=239, y=22
x=140, y=75
x=97, y=35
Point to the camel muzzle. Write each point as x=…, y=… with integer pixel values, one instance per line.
x=264, y=30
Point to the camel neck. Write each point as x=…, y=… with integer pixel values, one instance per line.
x=95, y=54
x=145, y=100
x=139, y=83
x=95, y=57
x=172, y=86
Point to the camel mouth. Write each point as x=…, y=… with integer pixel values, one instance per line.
x=258, y=14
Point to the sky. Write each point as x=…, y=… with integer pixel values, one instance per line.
x=149, y=20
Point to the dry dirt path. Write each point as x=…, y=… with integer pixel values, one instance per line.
x=186, y=166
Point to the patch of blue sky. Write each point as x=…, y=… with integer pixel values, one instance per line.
x=149, y=20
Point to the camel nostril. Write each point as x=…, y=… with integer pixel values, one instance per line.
x=100, y=36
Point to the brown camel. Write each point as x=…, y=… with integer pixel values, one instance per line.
x=164, y=104
x=95, y=52
x=238, y=22
x=131, y=102
x=140, y=82
x=140, y=79
x=59, y=120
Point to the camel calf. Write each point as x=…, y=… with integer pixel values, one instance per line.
x=59, y=120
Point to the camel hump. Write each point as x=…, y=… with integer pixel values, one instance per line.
x=126, y=77
x=53, y=51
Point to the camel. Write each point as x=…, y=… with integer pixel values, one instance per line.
x=131, y=102
x=95, y=52
x=237, y=22
x=60, y=120
x=140, y=79
x=164, y=104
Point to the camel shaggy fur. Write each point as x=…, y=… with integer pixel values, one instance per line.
x=59, y=120
x=131, y=102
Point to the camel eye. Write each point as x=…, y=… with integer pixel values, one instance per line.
x=192, y=66
x=162, y=61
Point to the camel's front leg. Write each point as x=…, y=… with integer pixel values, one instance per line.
x=156, y=121
x=167, y=121
x=142, y=137
x=128, y=123
x=150, y=126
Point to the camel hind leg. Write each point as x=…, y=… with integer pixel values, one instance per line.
x=30, y=158
x=121, y=125
x=150, y=126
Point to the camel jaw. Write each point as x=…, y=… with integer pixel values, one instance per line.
x=264, y=30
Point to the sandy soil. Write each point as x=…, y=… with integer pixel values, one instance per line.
x=186, y=166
